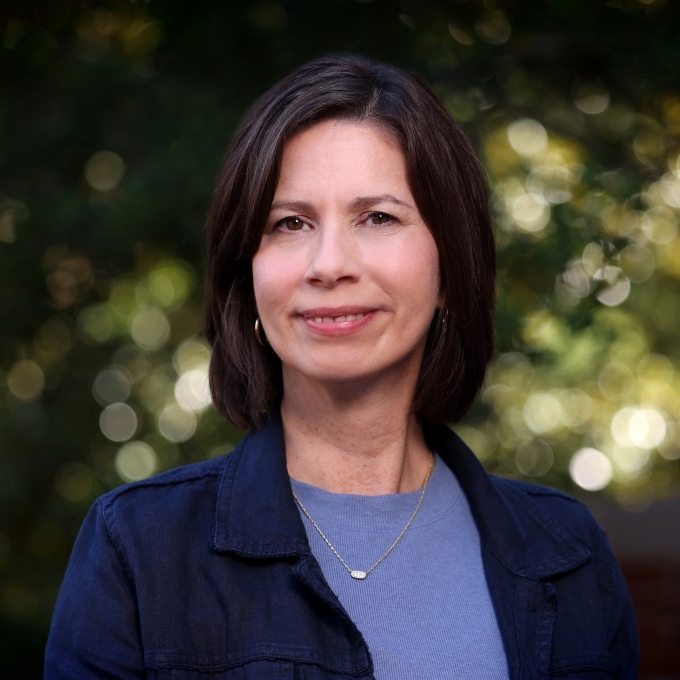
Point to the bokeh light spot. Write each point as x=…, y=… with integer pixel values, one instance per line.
x=576, y=280
x=155, y=391
x=655, y=368
x=616, y=293
x=104, y=170
x=192, y=391
x=112, y=384
x=670, y=448
x=670, y=190
x=477, y=440
x=493, y=27
x=150, y=328
x=629, y=461
x=590, y=469
x=640, y=427
x=534, y=457
x=192, y=353
x=176, y=424
x=118, y=422
x=459, y=35
x=661, y=225
x=170, y=283
x=593, y=258
x=96, y=323
x=25, y=380
x=530, y=212
x=527, y=137
x=591, y=98
x=637, y=262
x=616, y=381
x=554, y=183
x=542, y=412
x=577, y=408
x=134, y=461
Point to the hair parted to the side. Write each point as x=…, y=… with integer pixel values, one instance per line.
x=450, y=190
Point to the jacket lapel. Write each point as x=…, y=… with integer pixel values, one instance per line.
x=255, y=514
x=522, y=548
x=527, y=540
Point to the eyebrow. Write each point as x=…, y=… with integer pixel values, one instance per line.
x=365, y=202
x=358, y=204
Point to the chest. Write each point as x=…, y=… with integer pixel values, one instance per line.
x=426, y=608
x=263, y=619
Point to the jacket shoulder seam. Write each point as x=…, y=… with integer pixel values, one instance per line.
x=549, y=522
x=110, y=498
x=553, y=492
x=226, y=484
x=116, y=544
x=533, y=489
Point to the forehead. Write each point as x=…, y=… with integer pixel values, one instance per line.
x=343, y=155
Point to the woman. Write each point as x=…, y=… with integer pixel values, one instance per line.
x=351, y=534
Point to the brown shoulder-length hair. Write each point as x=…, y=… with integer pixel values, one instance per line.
x=450, y=190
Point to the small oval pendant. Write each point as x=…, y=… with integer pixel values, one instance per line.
x=359, y=575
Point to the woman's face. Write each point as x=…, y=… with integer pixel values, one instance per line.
x=346, y=276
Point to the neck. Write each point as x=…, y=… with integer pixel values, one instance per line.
x=353, y=439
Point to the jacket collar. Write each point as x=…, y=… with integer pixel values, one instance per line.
x=256, y=515
x=523, y=536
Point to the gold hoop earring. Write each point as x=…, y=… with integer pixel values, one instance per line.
x=258, y=331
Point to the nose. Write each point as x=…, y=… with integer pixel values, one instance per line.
x=334, y=257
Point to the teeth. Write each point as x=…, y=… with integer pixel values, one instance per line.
x=338, y=319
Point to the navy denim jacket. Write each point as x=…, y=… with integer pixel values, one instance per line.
x=205, y=573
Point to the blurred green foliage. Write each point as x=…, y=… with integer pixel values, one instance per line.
x=114, y=118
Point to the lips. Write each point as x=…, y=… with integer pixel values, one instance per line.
x=337, y=314
x=337, y=320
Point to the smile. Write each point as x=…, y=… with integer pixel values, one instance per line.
x=338, y=319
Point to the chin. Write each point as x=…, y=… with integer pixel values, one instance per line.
x=348, y=370
x=340, y=376
x=344, y=367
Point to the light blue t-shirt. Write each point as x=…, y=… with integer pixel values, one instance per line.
x=425, y=611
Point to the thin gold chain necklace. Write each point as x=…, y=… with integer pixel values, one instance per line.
x=357, y=573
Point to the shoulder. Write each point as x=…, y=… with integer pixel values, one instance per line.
x=178, y=480
x=545, y=503
x=599, y=579
x=169, y=498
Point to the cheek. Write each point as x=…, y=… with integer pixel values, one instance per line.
x=264, y=278
x=274, y=280
x=412, y=271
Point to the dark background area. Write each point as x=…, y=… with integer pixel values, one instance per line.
x=114, y=116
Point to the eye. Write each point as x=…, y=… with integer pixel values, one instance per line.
x=380, y=218
x=291, y=223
